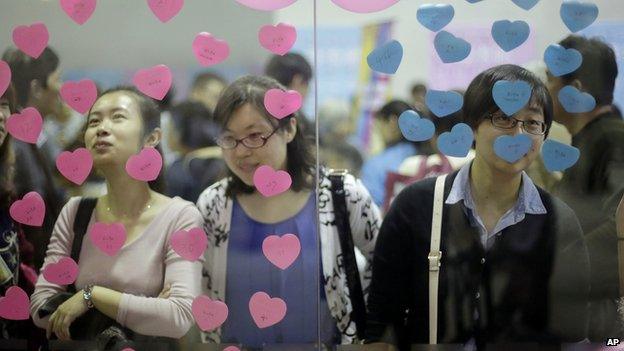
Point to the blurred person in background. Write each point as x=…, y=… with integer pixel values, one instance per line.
x=335, y=129
x=207, y=88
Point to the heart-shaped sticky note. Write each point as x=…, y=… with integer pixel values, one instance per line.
x=109, y=238
x=281, y=251
x=266, y=311
x=266, y=5
x=473, y=1
x=364, y=6
x=209, y=314
x=165, y=9
x=277, y=39
x=386, y=58
x=511, y=96
x=153, y=82
x=5, y=77
x=450, y=48
x=509, y=35
x=270, y=182
x=32, y=40
x=578, y=15
x=443, y=103
x=558, y=156
x=63, y=272
x=281, y=103
x=30, y=210
x=189, y=244
x=415, y=128
x=526, y=4
x=146, y=165
x=78, y=10
x=512, y=148
x=576, y=101
x=231, y=348
x=25, y=126
x=14, y=304
x=560, y=60
x=209, y=50
x=75, y=166
x=435, y=17
x=79, y=95
x=457, y=142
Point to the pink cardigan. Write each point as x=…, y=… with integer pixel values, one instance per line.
x=139, y=271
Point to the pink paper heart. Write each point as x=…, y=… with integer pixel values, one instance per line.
x=282, y=103
x=281, y=251
x=109, y=238
x=32, y=40
x=128, y=349
x=277, y=39
x=154, y=81
x=78, y=10
x=210, y=50
x=15, y=304
x=75, y=166
x=266, y=5
x=209, y=314
x=190, y=244
x=365, y=6
x=30, y=210
x=79, y=95
x=165, y=9
x=231, y=348
x=270, y=182
x=266, y=311
x=5, y=77
x=25, y=126
x=146, y=165
x=63, y=272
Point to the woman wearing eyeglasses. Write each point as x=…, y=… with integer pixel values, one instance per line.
x=514, y=266
x=238, y=219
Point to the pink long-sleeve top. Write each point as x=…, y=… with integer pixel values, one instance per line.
x=139, y=271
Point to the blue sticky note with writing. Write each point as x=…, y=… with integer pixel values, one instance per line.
x=577, y=15
x=561, y=61
x=457, y=142
x=526, y=4
x=386, y=58
x=511, y=96
x=512, y=148
x=443, y=103
x=473, y=1
x=415, y=128
x=509, y=35
x=576, y=101
x=435, y=17
x=451, y=48
x=558, y=156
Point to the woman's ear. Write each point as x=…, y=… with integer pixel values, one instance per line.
x=291, y=131
x=153, y=138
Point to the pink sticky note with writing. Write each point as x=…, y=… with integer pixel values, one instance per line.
x=154, y=82
x=32, y=40
x=189, y=244
x=25, y=126
x=14, y=305
x=146, y=165
x=365, y=6
x=165, y=9
x=209, y=314
x=108, y=237
x=63, y=272
x=266, y=311
x=79, y=95
x=281, y=103
x=281, y=251
x=5, y=77
x=231, y=348
x=79, y=10
x=75, y=166
x=266, y=5
x=30, y=210
x=209, y=50
x=270, y=182
x=277, y=39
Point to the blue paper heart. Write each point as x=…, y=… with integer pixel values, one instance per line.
x=558, y=156
x=435, y=17
x=473, y=1
x=415, y=128
x=525, y=4
x=560, y=60
x=457, y=142
x=576, y=101
x=578, y=15
x=511, y=96
x=450, y=48
x=509, y=35
x=512, y=148
x=443, y=103
x=386, y=58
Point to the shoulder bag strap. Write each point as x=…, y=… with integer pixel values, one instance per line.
x=81, y=221
x=435, y=258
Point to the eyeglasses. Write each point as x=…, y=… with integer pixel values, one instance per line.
x=252, y=141
x=504, y=122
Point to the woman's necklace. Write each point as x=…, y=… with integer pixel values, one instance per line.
x=148, y=205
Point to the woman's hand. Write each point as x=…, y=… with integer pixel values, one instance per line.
x=619, y=218
x=64, y=316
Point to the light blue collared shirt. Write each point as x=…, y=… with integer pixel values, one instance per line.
x=529, y=202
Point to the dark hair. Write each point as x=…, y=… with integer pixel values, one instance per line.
x=195, y=125
x=150, y=116
x=446, y=123
x=285, y=68
x=25, y=69
x=250, y=90
x=7, y=158
x=418, y=88
x=478, y=100
x=598, y=70
x=205, y=77
x=393, y=108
